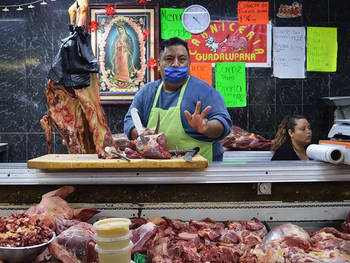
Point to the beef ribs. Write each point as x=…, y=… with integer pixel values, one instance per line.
x=240, y=139
x=78, y=116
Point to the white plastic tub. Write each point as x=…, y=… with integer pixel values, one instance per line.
x=114, y=256
x=113, y=243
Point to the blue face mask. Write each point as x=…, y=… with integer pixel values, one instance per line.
x=175, y=75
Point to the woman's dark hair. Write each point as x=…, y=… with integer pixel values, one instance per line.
x=282, y=135
x=174, y=41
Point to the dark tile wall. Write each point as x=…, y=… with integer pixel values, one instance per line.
x=30, y=39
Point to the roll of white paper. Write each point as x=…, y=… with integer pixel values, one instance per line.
x=325, y=153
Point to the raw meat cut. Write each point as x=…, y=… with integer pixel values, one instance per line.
x=121, y=140
x=285, y=230
x=141, y=236
x=78, y=116
x=240, y=139
x=53, y=208
x=77, y=242
x=155, y=148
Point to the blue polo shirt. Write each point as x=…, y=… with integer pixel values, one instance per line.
x=197, y=90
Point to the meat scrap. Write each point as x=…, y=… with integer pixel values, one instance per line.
x=21, y=230
x=240, y=139
x=155, y=148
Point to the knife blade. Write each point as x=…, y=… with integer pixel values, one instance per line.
x=188, y=156
x=158, y=124
x=138, y=125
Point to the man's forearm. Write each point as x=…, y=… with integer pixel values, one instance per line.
x=215, y=129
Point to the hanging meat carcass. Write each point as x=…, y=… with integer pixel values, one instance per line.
x=73, y=93
x=78, y=116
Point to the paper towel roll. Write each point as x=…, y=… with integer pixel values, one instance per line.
x=325, y=153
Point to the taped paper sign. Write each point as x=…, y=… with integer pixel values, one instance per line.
x=202, y=71
x=289, y=52
x=290, y=11
x=322, y=49
x=253, y=13
x=230, y=80
x=171, y=24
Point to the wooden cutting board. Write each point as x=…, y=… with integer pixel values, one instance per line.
x=91, y=161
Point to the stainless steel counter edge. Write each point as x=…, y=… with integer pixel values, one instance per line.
x=217, y=172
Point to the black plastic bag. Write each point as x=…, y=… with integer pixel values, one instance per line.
x=74, y=61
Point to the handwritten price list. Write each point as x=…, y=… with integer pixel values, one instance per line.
x=253, y=13
x=322, y=49
x=171, y=24
x=230, y=81
x=202, y=71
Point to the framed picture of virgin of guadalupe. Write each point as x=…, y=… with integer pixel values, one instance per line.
x=124, y=38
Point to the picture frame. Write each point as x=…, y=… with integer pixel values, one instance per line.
x=123, y=43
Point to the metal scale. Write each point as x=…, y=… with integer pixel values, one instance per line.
x=341, y=126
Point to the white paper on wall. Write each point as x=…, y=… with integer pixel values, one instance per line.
x=289, y=52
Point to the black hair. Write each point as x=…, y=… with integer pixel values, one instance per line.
x=282, y=136
x=174, y=41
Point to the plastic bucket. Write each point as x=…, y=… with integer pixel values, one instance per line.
x=112, y=227
x=113, y=243
x=114, y=256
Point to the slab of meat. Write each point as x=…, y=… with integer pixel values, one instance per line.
x=121, y=140
x=240, y=139
x=285, y=230
x=155, y=148
x=75, y=244
x=78, y=116
x=53, y=209
x=141, y=236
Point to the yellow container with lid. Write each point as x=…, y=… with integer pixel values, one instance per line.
x=113, y=243
x=114, y=256
x=112, y=227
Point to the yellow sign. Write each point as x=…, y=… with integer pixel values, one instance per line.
x=322, y=49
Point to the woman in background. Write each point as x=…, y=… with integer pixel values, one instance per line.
x=293, y=136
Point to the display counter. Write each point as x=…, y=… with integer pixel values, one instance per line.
x=233, y=180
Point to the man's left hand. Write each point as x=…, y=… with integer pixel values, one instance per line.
x=197, y=120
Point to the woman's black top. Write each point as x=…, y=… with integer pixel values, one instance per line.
x=285, y=153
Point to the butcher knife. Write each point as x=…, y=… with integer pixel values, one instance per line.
x=138, y=125
x=188, y=153
x=188, y=156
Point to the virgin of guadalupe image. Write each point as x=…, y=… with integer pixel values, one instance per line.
x=122, y=57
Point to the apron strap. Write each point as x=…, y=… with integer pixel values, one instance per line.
x=183, y=88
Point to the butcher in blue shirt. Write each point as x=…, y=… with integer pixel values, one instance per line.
x=192, y=113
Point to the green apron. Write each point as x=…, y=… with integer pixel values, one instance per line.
x=171, y=125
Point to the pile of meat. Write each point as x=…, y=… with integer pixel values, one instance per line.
x=165, y=241
x=240, y=139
